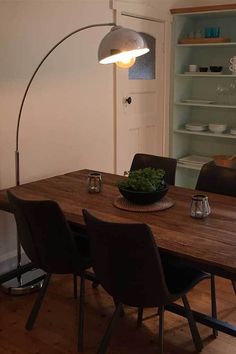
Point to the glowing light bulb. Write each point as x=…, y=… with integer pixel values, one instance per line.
x=126, y=63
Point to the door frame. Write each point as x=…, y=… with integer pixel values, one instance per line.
x=151, y=13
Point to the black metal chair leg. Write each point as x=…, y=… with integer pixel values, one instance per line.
x=75, y=286
x=192, y=325
x=161, y=312
x=140, y=317
x=234, y=285
x=122, y=311
x=81, y=314
x=35, y=310
x=107, y=336
x=95, y=284
x=213, y=303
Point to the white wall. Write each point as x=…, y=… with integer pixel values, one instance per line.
x=67, y=122
x=68, y=113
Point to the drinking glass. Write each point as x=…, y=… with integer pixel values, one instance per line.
x=212, y=32
x=207, y=32
x=223, y=93
x=215, y=32
x=232, y=92
x=94, y=182
x=200, y=207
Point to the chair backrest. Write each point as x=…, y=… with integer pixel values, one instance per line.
x=217, y=179
x=168, y=164
x=126, y=262
x=44, y=234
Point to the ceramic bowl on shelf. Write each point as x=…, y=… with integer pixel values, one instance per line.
x=233, y=131
x=217, y=128
x=216, y=69
x=203, y=69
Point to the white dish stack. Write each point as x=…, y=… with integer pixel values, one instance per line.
x=196, y=127
x=195, y=160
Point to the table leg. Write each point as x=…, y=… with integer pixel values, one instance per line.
x=202, y=318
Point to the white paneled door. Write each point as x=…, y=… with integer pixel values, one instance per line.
x=140, y=97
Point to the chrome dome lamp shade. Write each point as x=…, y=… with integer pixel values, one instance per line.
x=121, y=44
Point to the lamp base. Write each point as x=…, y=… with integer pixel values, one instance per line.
x=27, y=283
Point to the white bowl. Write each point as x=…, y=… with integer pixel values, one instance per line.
x=217, y=128
x=233, y=131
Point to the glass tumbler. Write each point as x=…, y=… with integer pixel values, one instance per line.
x=94, y=182
x=200, y=207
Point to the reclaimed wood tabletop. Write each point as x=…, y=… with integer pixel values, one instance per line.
x=208, y=243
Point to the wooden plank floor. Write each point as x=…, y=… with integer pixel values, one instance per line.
x=55, y=331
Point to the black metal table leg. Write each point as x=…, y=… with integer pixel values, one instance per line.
x=206, y=320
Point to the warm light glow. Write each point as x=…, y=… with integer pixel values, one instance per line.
x=126, y=64
x=123, y=56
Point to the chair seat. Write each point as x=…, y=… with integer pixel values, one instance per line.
x=180, y=277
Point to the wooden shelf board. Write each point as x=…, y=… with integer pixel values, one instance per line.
x=203, y=40
x=226, y=44
x=209, y=8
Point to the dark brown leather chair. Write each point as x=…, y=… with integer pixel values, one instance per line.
x=168, y=164
x=217, y=179
x=127, y=264
x=51, y=246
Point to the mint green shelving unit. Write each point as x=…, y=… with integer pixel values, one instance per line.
x=220, y=89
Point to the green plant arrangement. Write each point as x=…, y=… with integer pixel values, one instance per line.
x=144, y=180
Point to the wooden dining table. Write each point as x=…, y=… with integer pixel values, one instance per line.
x=208, y=244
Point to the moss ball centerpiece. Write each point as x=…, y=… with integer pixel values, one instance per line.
x=144, y=186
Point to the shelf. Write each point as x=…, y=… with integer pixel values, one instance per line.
x=206, y=133
x=205, y=10
x=207, y=75
x=202, y=96
x=203, y=40
x=226, y=44
x=211, y=105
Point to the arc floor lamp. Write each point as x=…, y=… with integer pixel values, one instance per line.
x=121, y=46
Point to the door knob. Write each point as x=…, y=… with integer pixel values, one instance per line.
x=128, y=100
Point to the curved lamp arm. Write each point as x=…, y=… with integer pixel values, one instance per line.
x=17, y=164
